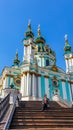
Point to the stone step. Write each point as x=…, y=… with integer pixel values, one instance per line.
x=40, y=111
x=44, y=114
x=29, y=116
x=41, y=125
x=42, y=121
x=41, y=118
x=43, y=129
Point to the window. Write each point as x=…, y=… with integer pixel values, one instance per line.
x=47, y=62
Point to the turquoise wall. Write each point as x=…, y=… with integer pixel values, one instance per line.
x=42, y=86
x=8, y=82
x=67, y=91
x=50, y=88
x=60, y=89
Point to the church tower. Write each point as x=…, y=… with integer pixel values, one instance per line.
x=28, y=45
x=68, y=56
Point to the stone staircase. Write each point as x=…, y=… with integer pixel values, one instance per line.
x=29, y=116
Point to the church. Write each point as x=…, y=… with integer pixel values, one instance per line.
x=38, y=73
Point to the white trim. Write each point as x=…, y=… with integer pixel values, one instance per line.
x=33, y=84
x=47, y=87
x=70, y=91
x=22, y=86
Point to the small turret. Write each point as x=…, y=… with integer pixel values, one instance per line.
x=28, y=42
x=16, y=60
x=29, y=33
x=68, y=56
x=67, y=47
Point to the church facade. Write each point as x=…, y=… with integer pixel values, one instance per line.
x=38, y=74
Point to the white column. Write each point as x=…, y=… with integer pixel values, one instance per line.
x=69, y=62
x=66, y=66
x=47, y=87
x=30, y=85
x=22, y=86
x=25, y=82
x=11, y=81
x=64, y=90
x=39, y=86
x=25, y=53
x=5, y=83
x=70, y=91
x=43, y=62
x=33, y=86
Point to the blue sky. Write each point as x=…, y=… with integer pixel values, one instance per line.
x=54, y=16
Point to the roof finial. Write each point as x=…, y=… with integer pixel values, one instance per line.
x=29, y=24
x=39, y=32
x=66, y=37
x=16, y=53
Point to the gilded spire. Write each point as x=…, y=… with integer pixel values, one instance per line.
x=29, y=25
x=39, y=32
x=66, y=38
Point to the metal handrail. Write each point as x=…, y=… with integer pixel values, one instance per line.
x=4, y=103
x=6, y=127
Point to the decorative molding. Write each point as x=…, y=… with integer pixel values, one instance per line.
x=46, y=76
x=17, y=81
x=27, y=45
x=9, y=75
x=38, y=75
x=55, y=81
x=71, y=82
x=30, y=72
x=54, y=68
x=63, y=80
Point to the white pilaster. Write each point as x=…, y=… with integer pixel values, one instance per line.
x=43, y=61
x=70, y=91
x=33, y=86
x=69, y=62
x=47, y=87
x=25, y=82
x=22, y=86
x=64, y=90
x=5, y=83
x=28, y=84
x=11, y=81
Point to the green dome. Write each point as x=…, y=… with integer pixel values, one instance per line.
x=39, y=38
x=67, y=48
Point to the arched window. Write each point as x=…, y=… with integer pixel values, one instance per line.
x=47, y=62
